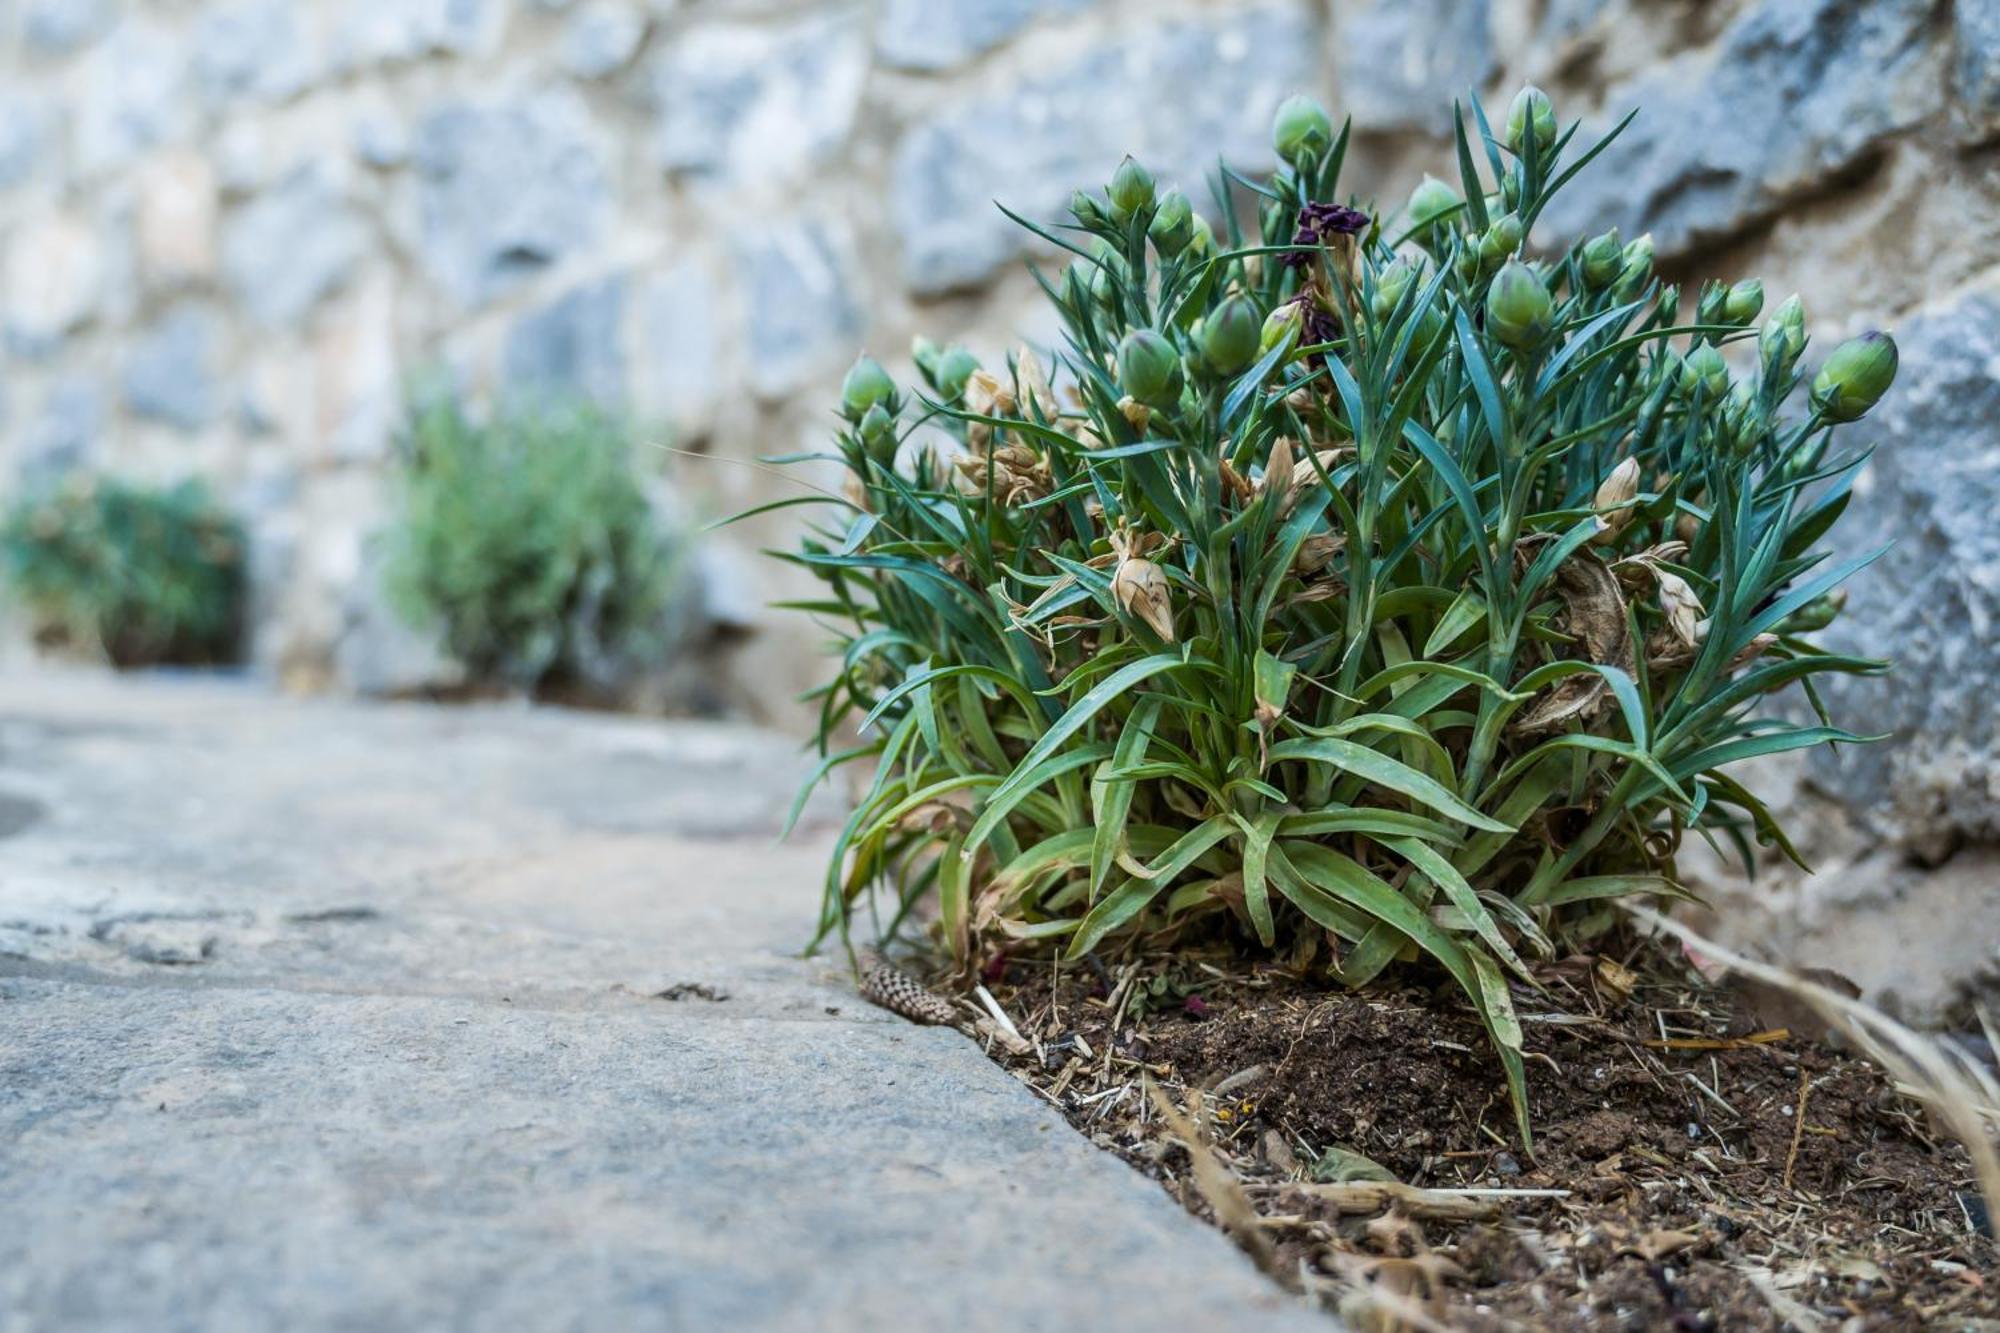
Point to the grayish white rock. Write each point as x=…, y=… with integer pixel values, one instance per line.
x=292, y=247
x=54, y=276
x=570, y=348
x=680, y=377
x=386, y=31
x=805, y=319
x=66, y=433
x=508, y=188
x=1176, y=95
x=253, y=51
x=1932, y=604
x=27, y=136
x=1403, y=62
x=61, y=27
x=132, y=96
x=1797, y=92
x=601, y=38
x=170, y=375
x=936, y=35
x=1976, y=68
x=323, y=1017
x=758, y=105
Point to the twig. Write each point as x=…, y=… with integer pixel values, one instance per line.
x=999, y=1014
x=1798, y=1124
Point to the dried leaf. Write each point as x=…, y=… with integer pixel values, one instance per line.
x=1594, y=615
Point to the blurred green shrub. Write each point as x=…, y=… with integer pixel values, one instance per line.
x=530, y=542
x=139, y=575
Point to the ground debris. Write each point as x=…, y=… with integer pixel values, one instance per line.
x=1681, y=1179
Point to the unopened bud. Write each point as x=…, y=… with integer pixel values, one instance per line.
x=878, y=433
x=1705, y=372
x=1855, y=377
x=1431, y=200
x=1638, y=264
x=1131, y=189
x=1231, y=336
x=1281, y=326
x=1149, y=369
x=1087, y=209
x=1710, y=308
x=1301, y=131
x=1531, y=108
x=1173, y=224
x=1518, y=309
x=954, y=367
x=1390, y=284
x=1744, y=302
x=1501, y=240
x=1603, y=259
x=1783, y=338
x=865, y=385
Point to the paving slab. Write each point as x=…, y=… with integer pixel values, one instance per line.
x=321, y=1015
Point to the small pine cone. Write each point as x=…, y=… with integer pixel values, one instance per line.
x=900, y=993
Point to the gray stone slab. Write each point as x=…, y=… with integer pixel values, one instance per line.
x=323, y=1016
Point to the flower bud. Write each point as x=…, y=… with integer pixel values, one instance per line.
x=1518, y=308
x=1173, y=224
x=1087, y=210
x=1143, y=592
x=1706, y=372
x=1431, y=200
x=1638, y=264
x=1816, y=614
x=865, y=385
x=1613, y=501
x=1501, y=240
x=1149, y=369
x=1131, y=189
x=1390, y=284
x=1744, y=301
x=1602, y=260
x=925, y=353
x=1531, y=107
x=1232, y=335
x=1783, y=338
x=1510, y=189
x=1202, y=243
x=954, y=367
x=1855, y=377
x=1301, y=131
x=878, y=433
x=1281, y=325
x=1709, y=308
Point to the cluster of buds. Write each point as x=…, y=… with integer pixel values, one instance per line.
x=870, y=402
x=1734, y=304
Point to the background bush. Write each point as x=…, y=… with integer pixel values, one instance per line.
x=530, y=542
x=136, y=574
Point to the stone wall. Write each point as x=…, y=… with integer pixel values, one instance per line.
x=231, y=229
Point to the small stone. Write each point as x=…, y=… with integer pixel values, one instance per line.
x=507, y=189
x=941, y=34
x=27, y=137
x=600, y=39
x=371, y=32
x=1506, y=1164
x=1403, y=61
x=805, y=320
x=381, y=140
x=758, y=104
x=66, y=433
x=132, y=96
x=291, y=247
x=170, y=375
x=54, y=278
x=252, y=51
x=570, y=347
x=356, y=394
x=176, y=218
x=61, y=27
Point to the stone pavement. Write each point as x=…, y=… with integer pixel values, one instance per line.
x=329, y=1016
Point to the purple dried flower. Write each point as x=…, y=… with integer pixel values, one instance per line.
x=1317, y=222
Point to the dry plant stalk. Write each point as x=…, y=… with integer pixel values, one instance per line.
x=1217, y=1183
x=1963, y=1098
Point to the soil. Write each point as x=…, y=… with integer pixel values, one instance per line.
x=1673, y=1182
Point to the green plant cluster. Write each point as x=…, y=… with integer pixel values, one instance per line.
x=138, y=575
x=1383, y=588
x=531, y=543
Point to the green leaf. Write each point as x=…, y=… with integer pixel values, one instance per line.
x=1386, y=772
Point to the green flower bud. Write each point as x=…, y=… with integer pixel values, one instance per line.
x=1501, y=240
x=1301, y=131
x=1709, y=309
x=1173, y=224
x=1638, y=264
x=1706, y=372
x=1531, y=106
x=1231, y=336
x=1510, y=189
x=1815, y=615
x=1131, y=189
x=1855, y=377
x=865, y=385
x=1149, y=369
x=1602, y=260
x=954, y=367
x=1281, y=325
x=1202, y=243
x=1431, y=200
x=1087, y=210
x=1783, y=338
x=925, y=353
x=1390, y=284
x=1744, y=301
x=1518, y=309
x=878, y=433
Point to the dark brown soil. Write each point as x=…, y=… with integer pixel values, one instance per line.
x=1686, y=1190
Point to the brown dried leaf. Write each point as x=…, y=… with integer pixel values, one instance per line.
x=1593, y=615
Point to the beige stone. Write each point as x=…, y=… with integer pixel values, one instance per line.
x=54, y=277
x=176, y=218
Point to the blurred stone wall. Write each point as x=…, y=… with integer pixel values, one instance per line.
x=230, y=230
